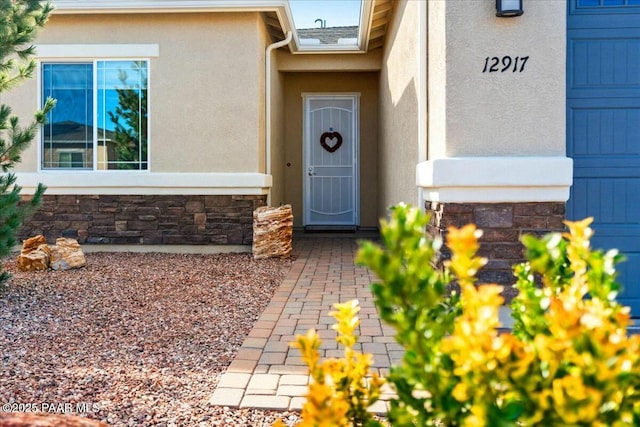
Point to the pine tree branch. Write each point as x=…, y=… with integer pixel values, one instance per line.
x=19, y=137
x=19, y=22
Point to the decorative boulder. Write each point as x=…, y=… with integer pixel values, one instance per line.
x=37, y=255
x=66, y=254
x=34, y=255
x=33, y=243
x=34, y=261
x=272, y=232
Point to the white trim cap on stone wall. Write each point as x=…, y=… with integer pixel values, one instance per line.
x=496, y=179
x=115, y=182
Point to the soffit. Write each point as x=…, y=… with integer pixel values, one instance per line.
x=274, y=26
x=379, y=21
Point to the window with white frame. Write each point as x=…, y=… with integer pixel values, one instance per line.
x=100, y=118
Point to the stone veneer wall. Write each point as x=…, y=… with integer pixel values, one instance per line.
x=146, y=219
x=502, y=225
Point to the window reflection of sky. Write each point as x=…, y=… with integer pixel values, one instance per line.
x=113, y=75
x=72, y=86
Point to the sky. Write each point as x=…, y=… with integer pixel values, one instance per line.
x=336, y=13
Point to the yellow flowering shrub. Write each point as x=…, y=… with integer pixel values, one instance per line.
x=341, y=389
x=585, y=365
x=568, y=362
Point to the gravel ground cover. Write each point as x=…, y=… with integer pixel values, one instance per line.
x=141, y=339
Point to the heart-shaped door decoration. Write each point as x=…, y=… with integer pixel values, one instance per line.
x=333, y=138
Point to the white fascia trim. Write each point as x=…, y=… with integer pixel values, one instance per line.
x=496, y=179
x=366, y=18
x=126, y=183
x=114, y=6
x=69, y=51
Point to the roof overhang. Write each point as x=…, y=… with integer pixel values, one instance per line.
x=282, y=23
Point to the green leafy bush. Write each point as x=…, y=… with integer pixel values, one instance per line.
x=568, y=362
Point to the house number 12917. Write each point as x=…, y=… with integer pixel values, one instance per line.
x=506, y=63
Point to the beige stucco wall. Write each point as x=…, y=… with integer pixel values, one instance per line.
x=206, y=87
x=369, y=61
x=502, y=113
x=366, y=84
x=399, y=83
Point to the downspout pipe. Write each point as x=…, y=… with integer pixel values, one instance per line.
x=267, y=101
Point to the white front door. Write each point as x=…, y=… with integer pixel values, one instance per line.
x=331, y=160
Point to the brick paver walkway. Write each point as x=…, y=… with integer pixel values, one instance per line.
x=267, y=373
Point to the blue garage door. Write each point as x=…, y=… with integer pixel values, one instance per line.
x=603, y=127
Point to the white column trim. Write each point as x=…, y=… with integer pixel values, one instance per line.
x=99, y=183
x=496, y=179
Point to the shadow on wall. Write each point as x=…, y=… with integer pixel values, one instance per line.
x=398, y=149
x=398, y=125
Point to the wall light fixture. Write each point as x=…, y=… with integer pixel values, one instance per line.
x=509, y=8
